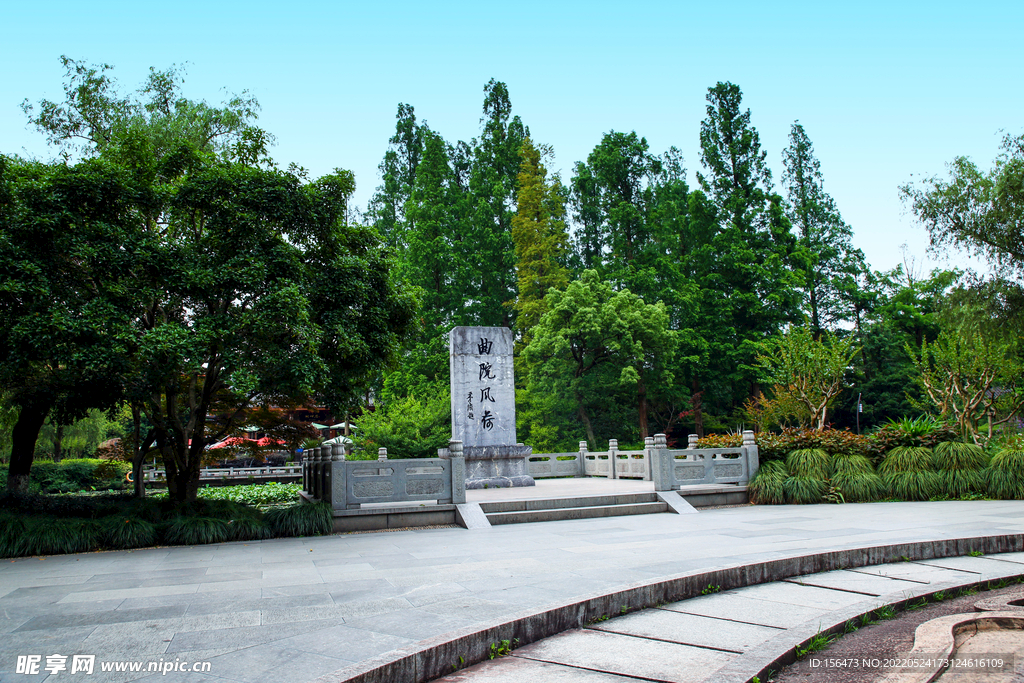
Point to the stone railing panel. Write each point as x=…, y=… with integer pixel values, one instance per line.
x=690, y=466
x=632, y=465
x=545, y=465
x=397, y=481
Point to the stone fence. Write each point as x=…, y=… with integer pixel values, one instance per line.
x=669, y=469
x=273, y=472
x=348, y=484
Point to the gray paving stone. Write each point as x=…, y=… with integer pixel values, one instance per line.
x=270, y=664
x=407, y=623
x=736, y=607
x=345, y=642
x=200, y=608
x=978, y=565
x=518, y=670
x=806, y=596
x=106, y=617
x=915, y=571
x=689, y=629
x=627, y=655
x=865, y=584
x=244, y=637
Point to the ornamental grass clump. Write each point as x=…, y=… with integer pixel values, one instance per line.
x=189, y=530
x=47, y=536
x=810, y=463
x=856, y=479
x=766, y=486
x=802, y=490
x=123, y=531
x=961, y=468
x=909, y=474
x=1006, y=475
x=306, y=519
x=12, y=535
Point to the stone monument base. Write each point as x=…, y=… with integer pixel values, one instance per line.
x=489, y=467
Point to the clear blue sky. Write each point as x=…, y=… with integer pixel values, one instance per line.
x=884, y=89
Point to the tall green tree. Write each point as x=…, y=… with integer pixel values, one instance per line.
x=437, y=222
x=540, y=237
x=387, y=209
x=68, y=240
x=490, y=250
x=594, y=341
x=832, y=263
x=248, y=284
x=808, y=371
x=753, y=246
x=971, y=374
x=138, y=128
x=982, y=212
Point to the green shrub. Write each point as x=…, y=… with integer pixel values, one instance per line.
x=850, y=464
x=766, y=486
x=1006, y=475
x=49, y=536
x=802, y=490
x=190, y=530
x=808, y=462
x=125, y=531
x=249, y=529
x=301, y=520
x=721, y=441
x=912, y=485
x=960, y=483
x=93, y=505
x=150, y=508
x=924, y=432
x=79, y=474
x=956, y=455
x=905, y=459
x=12, y=535
x=777, y=446
x=860, y=486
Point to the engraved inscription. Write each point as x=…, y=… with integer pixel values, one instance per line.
x=689, y=473
x=372, y=489
x=426, y=487
x=729, y=471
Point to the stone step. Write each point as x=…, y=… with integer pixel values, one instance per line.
x=569, y=502
x=563, y=513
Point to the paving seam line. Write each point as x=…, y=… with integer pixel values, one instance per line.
x=441, y=655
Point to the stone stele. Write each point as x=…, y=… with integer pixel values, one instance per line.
x=484, y=407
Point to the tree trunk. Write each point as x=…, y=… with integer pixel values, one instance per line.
x=698, y=409
x=642, y=408
x=139, y=459
x=58, y=439
x=585, y=419
x=23, y=445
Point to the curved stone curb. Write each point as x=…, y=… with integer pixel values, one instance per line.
x=436, y=657
x=936, y=640
x=1008, y=602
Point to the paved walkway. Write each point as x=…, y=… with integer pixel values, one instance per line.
x=296, y=609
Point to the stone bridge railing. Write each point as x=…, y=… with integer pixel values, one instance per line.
x=214, y=473
x=349, y=484
x=669, y=469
